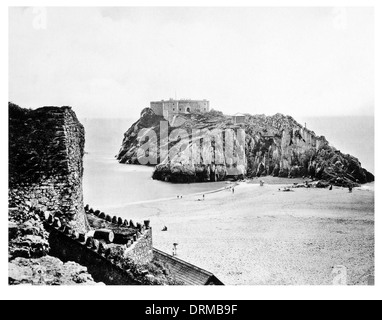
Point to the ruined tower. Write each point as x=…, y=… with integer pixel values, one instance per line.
x=46, y=147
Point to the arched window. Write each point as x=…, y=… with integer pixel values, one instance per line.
x=188, y=110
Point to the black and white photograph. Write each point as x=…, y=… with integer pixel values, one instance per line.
x=185, y=145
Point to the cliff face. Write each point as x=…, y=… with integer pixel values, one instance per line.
x=271, y=145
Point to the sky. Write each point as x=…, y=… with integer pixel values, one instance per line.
x=111, y=62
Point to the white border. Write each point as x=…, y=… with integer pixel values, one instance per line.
x=174, y=293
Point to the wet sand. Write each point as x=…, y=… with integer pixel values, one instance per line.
x=263, y=236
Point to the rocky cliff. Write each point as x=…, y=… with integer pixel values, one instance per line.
x=271, y=145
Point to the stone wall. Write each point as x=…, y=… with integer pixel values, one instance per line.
x=193, y=106
x=135, y=238
x=141, y=252
x=46, y=147
x=70, y=247
x=169, y=108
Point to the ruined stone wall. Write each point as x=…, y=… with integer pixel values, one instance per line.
x=46, y=147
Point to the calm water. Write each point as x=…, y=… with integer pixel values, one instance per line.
x=108, y=184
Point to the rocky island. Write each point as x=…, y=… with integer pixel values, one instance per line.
x=274, y=146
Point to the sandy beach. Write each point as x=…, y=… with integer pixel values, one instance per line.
x=263, y=236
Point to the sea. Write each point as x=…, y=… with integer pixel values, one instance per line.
x=108, y=184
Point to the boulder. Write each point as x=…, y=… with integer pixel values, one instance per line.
x=47, y=271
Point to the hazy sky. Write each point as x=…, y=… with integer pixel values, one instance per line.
x=112, y=62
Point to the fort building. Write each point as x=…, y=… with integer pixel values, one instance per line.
x=171, y=107
x=239, y=118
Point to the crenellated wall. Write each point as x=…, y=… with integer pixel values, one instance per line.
x=46, y=147
x=136, y=238
x=68, y=245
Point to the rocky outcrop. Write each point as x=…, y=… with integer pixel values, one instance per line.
x=47, y=271
x=272, y=145
x=28, y=240
x=28, y=253
x=149, y=120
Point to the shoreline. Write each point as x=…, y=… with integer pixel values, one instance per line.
x=268, y=180
x=263, y=236
x=176, y=198
x=231, y=184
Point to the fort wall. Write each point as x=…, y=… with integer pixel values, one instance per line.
x=169, y=108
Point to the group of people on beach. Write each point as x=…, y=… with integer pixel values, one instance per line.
x=350, y=187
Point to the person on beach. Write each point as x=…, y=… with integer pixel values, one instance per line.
x=350, y=189
x=204, y=197
x=331, y=187
x=233, y=190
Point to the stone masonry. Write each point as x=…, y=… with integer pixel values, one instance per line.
x=46, y=147
x=170, y=108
